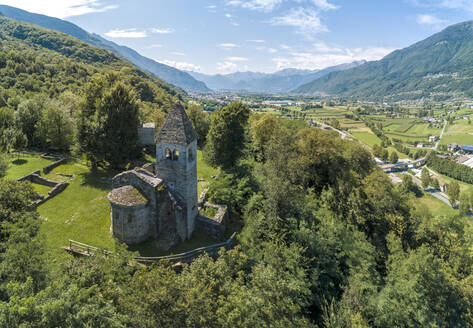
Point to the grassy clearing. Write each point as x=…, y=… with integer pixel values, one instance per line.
x=23, y=164
x=435, y=206
x=43, y=190
x=459, y=138
x=423, y=129
x=367, y=138
x=81, y=212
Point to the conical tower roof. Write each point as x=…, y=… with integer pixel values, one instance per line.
x=178, y=128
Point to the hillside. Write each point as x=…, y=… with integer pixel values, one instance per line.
x=439, y=67
x=279, y=82
x=167, y=73
x=34, y=60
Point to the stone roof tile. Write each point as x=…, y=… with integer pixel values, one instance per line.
x=178, y=128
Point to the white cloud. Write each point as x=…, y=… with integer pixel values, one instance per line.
x=256, y=41
x=270, y=5
x=127, y=33
x=228, y=45
x=60, y=8
x=429, y=20
x=262, y=5
x=449, y=4
x=272, y=50
x=285, y=46
x=135, y=33
x=227, y=67
x=162, y=30
x=322, y=55
x=305, y=21
x=228, y=15
x=181, y=65
x=324, y=4
x=178, y=53
x=236, y=59
x=156, y=45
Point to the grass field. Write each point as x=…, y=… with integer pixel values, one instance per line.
x=422, y=129
x=435, y=206
x=367, y=138
x=459, y=138
x=23, y=164
x=460, y=132
x=43, y=190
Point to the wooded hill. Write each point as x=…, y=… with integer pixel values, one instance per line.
x=167, y=73
x=34, y=60
x=439, y=67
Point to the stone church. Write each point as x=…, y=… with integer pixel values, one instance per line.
x=159, y=200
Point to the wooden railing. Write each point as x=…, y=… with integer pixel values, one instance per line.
x=87, y=250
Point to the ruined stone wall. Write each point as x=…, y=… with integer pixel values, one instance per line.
x=215, y=226
x=52, y=166
x=53, y=192
x=38, y=179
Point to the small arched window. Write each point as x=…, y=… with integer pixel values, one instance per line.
x=168, y=153
x=175, y=155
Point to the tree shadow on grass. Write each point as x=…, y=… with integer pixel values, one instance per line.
x=100, y=179
x=19, y=161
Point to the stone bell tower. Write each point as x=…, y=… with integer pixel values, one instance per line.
x=176, y=158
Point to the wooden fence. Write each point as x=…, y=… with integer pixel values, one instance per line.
x=87, y=250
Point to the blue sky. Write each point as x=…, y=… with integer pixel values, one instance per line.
x=223, y=36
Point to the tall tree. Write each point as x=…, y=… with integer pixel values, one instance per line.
x=201, y=122
x=453, y=192
x=108, y=123
x=393, y=157
x=261, y=132
x=425, y=178
x=227, y=135
x=3, y=165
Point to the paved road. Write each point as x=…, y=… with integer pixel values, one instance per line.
x=441, y=135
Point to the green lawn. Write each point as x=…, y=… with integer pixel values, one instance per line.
x=204, y=171
x=43, y=190
x=459, y=138
x=460, y=132
x=422, y=129
x=23, y=164
x=435, y=206
x=367, y=138
x=81, y=212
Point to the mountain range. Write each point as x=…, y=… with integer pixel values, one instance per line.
x=167, y=73
x=438, y=68
x=281, y=81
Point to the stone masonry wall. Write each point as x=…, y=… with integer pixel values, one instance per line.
x=214, y=227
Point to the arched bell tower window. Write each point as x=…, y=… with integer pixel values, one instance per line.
x=168, y=153
x=175, y=155
x=191, y=155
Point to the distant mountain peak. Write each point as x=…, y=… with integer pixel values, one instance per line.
x=281, y=81
x=406, y=74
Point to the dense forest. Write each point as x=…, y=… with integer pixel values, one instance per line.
x=326, y=239
x=43, y=77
